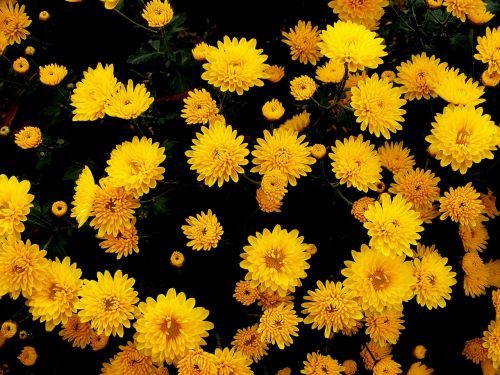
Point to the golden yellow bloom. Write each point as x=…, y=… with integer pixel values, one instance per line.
x=303, y=41
x=475, y=351
x=489, y=201
x=384, y=328
x=52, y=74
x=129, y=361
x=490, y=79
x=232, y=362
x=312, y=249
x=8, y=329
x=22, y=267
x=44, y=16
x=462, y=136
x=433, y=4
x=491, y=341
x=350, y=366
x=76, y=332
x=321, y=364
x=14, y=21
x=274, y=185
x=367, y=13
x=197, y=361
x=200, y=51
x=59, y=208
x=218, y=154
x=303, y=87
x=318, y=151
x=177, y=259
x=460, y=8
x=284, y=150
x=352, y=44
x=476, y=278
x=28, y=51
x=135, y=165
x=110, y=4
x=170, y=326
x=455, y=88
x=360, y=206
x=235, y=65
x=487, y=48
x=20, y=65
x=480, y=15
x=275, y=73
x=128, y=102
x=462, y=205
x=278, y=324
x=273, y=110
x=23, y=334
x=388, y=75
x=269, y=299
x=108, y=303
x=387, y=366
x=419, y=187
x=98, y=341
x=247, y=341
x=4, y=43
x=377, y=106
x=275, y=261
x=199, y=107
x=28, y=356
x=474, y=238
x=204, y=231
x=395, y=157
x=244, y=293
x=124, y=244
x=158, y=13
x=419, y=351
x=268, y=203
x=472, y=263
x=298, y=122
x=284, y=371
x=28, y=137
x=16, y=204
x=331, y=72
x=372, y=352
x=332, y=307
x=83, y=200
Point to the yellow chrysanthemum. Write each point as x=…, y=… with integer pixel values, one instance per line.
x=283, y=150
x=129, y=361
x=197, y=362
x=472, y=263
x=92, y=94
x=384, y=328
x=247, y=341
x=59, y=208
x=419, y=77
x=108, y=303
x=303, y=41
x=158, y=13
x=418, y=368
x=489, y=201
x=177, y=259
x=218, y=154
x=331, y=72
x=352, y=44
x=199, y=107
x=14, y=21
x=244, y=293
x=480, y=15
x=462, y=205
x=356, y=164
x=298, y=122
x=273, y=110
x=360, y=206
x=490, y=79
x=317, y=364
x=419, y=351
x=318, y=151
x=52, y=74
x=367, y=13
x=204, y=231
x=135, y=165
x=274, y=184
x=278, y=324
x=303, y=87
x=331, y=306
x=235, y=65
x=55, y=295
x=419, y=187
x=200, y=51
x=232, y=362
x=22, y=266
x=462, y=136
x=476, y=278
x=474, y=238
x=76, y=332
x=395, y=157
x=475, y=351
x=377, y=106
x=8, y=329
x=372, y=352
x=20, y=65
x=28, y=137
x=28, y=356
x=170, y=326
x=268, y=203
x=269, y=299
x=128, y=102
x=379, y=281
x=487, y=48
x=275, y=261
x=350, y=366
x=98, y=341
x=455, y=88
x=491, y=341
x=275, y=73
x=124, y=244
x=460, y=8
x=83, y=200
x=387, y=366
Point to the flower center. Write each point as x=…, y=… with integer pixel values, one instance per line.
x=275, y=259
x=171, y=327
x=379, y=280
x=463, y=136
x=110, y=303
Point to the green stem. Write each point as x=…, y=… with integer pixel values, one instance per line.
x=135, y=23
x=256, y=183
x=343, y=197
x=319, y=104
x=48, y=242
x=158, y=196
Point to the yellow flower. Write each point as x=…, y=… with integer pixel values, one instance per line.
x=462, y=136
x=232, y=362
x=318, y=151
x=331, y=72
x=462, y=205
x=350, y=366
x=460, y=8
x=128, y=102
x=395, y=157
x=303, y=87
x=419, y=187
x=372, y=352
x=476, y=278
x=331, y=306
x=4, y=43
x=419, y=351
x=433, y=4
x=92, y=94
x=8, y=329
x=170, y=326
x=491, y=341
x=110, y=4
x=388, y=75
x=20, y=65
x=360, y=206
x=268, y=203
x=384, y=328
x=14, y=21
x=419, y=77
x=28, y=356
x=235, y=65
x=355, y=163
x=52, y=74
x=129, y=361
x=273, y=110
x=274, y=184
x=278, y=324
x=135, y=165
x=200, y=51
x=22, y=266
x=303, y=41
x=487, y=48
x=275, y=73
x=455, y=88
x=244, y=293
x=379, y=281
x=55, y=295
x=367, y=13
x=177, y=259
x=474, y=350
x=15, y=203
x=59, y=208
x=197, y=361
x=387, y=366
x=157, y=13
x=76, y=332
x=28, y=137
x=284, y=150
x=83, y=200
x=269, y=299
x=474, y=238
x=247, y=341
x=44, y=16
x=98, y=341
x=321, y=364
x=490, y=79
x=377, y=106
x=275, y=261
x=218, y=154
x=204, y=231
x=489, y=201
x=124, y=244
x=298, y=122
x=108, y=303
x=480, y=15
x=352, y=44
x=199, y=107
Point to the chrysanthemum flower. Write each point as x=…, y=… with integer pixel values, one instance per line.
x=177, y=259
x=199, y=107
x=474, y=238
x=419, y=77
x=8, y=329
x=303, y=41
x=247, y=341
x=76, y=332
x=360, y=206
x=419, y=351
x=273, y=110
x=110, y=4
x=218, y=154
x=419, y=187
x=283, y=150
x=232, y=362
x=158, y=13
x=200, y=51
x=350, y=366
x=170, y=326
x=321, y=364
x=55, y=295
x=298, y=122
x=490, y=79
x=384, y=328
x=318, y=151
x=235, y=65
x=475, y=351
x=377, y=106
x=462, y=205
x=372, y=352
x=275, y=261
x=379, y=281
x=395, y=157
x=204, y=231
x=274, y=184
x=52, y=74
x=98, y=341
x=124, y=244
x=480, y=15
x=275, y=73
x=268, y=203
x=20, y=65
x=332, y=307
x=367, y=13
x=356, y=164
x=269, y=299
x=129, y=361
x=83, y=200
x=455, y=88
x=59, y=208
x=14, y=21
x=476, y=278
x=197, y=361
x=135, y=165
x=352, y=44
x=489, y=201
x=15, y=203
x=128, y=102
x=303, y=87
x=462, y=136
x=278, y=324
x=330, y=72
x=244, y=293
x=387, y=366
x=92, y=94
x=487, y=48
x=28, y=137
x=460, y=8
x=491, y=341
x=28, y=356
x=108, y=303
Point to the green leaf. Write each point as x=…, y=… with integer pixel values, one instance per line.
x=143, y=57
x=160, y=206
x=73, y=172
x=57, y=247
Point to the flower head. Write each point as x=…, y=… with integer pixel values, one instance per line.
x=177, y=259
x=83, y=200
x=462, y=205
x=278, y=324
x=76, y=332
x=204, y=231
x=273, y=110
x=197, y=361
x=460, y=8
x=303, y=41
x=367, y=13
x=395, y=157
x=52, y=74
x=491, y=341
x=489, y=201
x=419, y=187
x=303, y=87
x=8, y=329
x=298, y=122
x=15, y=203
x=455, y=88
x=474, y=238
x=14, y=21
x=474, y=350
x=128, y=102
x=360, y=206
x=158, y=13
x=232, y=362
x=275, y=73
x=28, y=356
x=384, y=328
x=487, y=48
x=268, y=202
x=129, y=361
x=20, y=65
x=199, y=107
x=124, y=244
x=331, y=72
x=372, y=352
x=59, y=208
x=387, y=366
x=200, y=51
x=247, y=341
x=28, y=137
x=317, y=364
x=244, y=293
